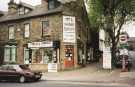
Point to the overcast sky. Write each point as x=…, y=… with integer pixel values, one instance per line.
x=3, y=3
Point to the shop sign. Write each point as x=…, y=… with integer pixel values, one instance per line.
x=40, y=44
x=52, y=67
x=69, y=35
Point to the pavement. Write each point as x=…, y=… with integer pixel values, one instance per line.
x=92, y=73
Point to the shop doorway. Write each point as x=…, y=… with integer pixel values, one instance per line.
x=69, y=56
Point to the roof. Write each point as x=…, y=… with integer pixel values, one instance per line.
x=1, y=13
x=38, y=11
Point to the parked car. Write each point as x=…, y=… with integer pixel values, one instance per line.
x=19, y=73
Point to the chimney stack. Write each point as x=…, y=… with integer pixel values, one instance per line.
x=12, y=7
x=44, y=3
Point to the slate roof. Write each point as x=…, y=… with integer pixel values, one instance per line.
x=37, y=11
x=1, y=12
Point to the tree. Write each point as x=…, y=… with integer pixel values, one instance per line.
x=111, y=15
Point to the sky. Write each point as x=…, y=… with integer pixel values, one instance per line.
x=130, y=28
x=4, y=7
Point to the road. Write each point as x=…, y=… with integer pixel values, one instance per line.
x=62, y=84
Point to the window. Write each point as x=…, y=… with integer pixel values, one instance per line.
x=10, y=54
x=21, y=11
x=27, y=59
x=36, y=56
x=47, y=55
x=26, y=10
x=45, y=28
x=26, y=30
x=11, y=32
x=51, y=4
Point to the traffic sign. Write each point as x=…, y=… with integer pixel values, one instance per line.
x=123, y=38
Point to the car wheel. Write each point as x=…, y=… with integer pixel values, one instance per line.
x=22, y=79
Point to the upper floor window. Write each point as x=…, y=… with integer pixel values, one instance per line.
x=26, y=10
x=51, y=4
x=45, y=27
x=11, y=30
x=21, y=11
x=27, y=30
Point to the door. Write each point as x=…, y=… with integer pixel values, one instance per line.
x=69, y=56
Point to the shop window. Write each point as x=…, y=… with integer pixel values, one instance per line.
x=44, y=56
x=27, y=30
x=10, y=54
x=36, y=56
x=11, y=32
x=48, y=55
x=45, y=28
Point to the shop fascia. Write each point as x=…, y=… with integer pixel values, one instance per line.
x=40, y=44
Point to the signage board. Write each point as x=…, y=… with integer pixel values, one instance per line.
x=123, y=52
x=107, y=60
x=52, y=67
x=40, y=44
x=69, y=35
x=123, y=39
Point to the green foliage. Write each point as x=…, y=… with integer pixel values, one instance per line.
x=95, y=13
x=111, y=15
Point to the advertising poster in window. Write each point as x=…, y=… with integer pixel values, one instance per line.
x=69, y=35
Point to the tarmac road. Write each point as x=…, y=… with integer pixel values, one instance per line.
x=62, y=84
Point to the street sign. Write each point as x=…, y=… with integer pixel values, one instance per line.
x=123, y=38
x=122, y=46
x=123, y=52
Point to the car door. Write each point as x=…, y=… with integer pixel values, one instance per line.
x=3, y=73
x=12, y=73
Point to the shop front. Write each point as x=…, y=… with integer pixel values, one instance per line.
x=40, y=54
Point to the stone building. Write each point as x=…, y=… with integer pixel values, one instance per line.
x=53, y=32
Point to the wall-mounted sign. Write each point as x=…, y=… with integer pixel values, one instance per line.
x=69, y=35
x=52, y=67
x=40, y=44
